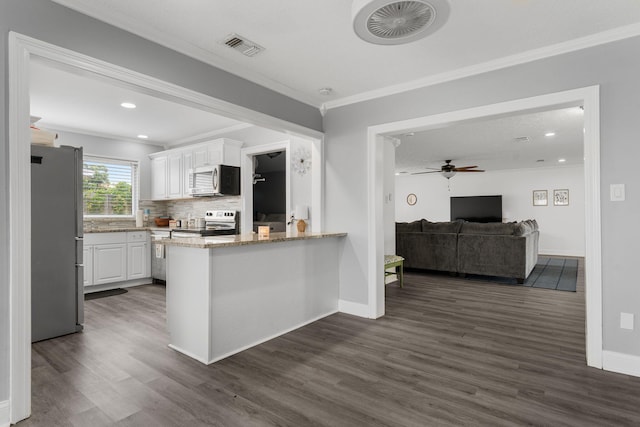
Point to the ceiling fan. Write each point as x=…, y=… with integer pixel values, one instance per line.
x=448, y=170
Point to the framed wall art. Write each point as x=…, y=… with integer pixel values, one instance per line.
x=561, y=197
x=540, y=198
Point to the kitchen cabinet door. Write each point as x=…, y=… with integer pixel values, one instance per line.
x=159, y=178
x=109, y=263
x=174, y=176
x=200, y=156
x=87, y=260
x=138, y=259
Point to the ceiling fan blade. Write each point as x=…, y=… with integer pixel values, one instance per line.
x=465, y=167
x=420, y=173
x=474, y=170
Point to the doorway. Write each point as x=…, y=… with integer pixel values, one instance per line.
x=270, y=191
x=587, y=97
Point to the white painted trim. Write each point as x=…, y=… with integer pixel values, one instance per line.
x=354, y=309
x=604, y=37
x=203, y=137
x=621, y=363
x=117, y=285
x=286, y=331
x=21, y=48
x=19, y=233
x=589, y=98
x=560, y=252
x=4, y=414
x=246, y=183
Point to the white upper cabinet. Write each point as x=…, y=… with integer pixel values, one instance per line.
x=170, y=169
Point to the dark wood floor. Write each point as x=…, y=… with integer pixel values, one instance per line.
x=448, y=352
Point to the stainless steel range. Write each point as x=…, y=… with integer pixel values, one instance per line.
x=217, y=223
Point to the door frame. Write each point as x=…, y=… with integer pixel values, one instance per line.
x=589, y=98
x=21, y=49
x=246, y=184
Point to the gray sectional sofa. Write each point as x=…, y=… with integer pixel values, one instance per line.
x=491, y=249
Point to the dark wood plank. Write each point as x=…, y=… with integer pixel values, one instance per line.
x=449, y=351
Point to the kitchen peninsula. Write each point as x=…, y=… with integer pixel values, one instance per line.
x=228, y=293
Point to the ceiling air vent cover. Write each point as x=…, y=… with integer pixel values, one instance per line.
x=397, y=22
x=242, y=45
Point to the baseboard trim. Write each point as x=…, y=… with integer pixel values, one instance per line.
x=4, y=414
x=561, y=252
x=117, y=285
x=621, y=363
x=354, y=308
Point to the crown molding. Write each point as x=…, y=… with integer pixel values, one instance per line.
x=604, y=37
x=105, y=135
x=211, y=134
x=164, y=39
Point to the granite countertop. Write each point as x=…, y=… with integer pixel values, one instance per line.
x=211, y=242
x=122, y=229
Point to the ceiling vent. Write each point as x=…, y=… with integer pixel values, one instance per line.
x=242, y=45
x=522, y=139
x=396, y=22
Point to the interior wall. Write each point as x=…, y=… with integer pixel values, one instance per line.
x=562, y=228
x=50, y=22
x=610, y=66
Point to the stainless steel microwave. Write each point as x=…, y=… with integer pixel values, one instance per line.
x=217, y=180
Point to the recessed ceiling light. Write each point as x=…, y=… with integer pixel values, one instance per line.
x=129, y=105
x=550, y=134
x=143, y=136
x=325, y=91
x=562, y=160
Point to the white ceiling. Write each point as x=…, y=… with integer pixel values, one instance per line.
x=310, y=44
x=495, y=143
x=85, y=104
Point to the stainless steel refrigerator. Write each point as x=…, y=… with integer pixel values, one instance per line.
x=57, y=292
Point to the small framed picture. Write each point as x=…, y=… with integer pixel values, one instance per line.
x=412, y=199
x=540, y=198
x=561, y=197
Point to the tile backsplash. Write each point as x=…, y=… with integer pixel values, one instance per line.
x=177, y=209
x=181, y=209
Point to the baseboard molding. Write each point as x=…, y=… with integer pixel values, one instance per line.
x=4, y=414
x=354, y=308
x=621, y=363
x=560, y=252
x=117, y=285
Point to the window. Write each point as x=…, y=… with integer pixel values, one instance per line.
x=109, y=187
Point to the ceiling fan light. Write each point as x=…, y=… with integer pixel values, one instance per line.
x=448, y=174
x=390, y=22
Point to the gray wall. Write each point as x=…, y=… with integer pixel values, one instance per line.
x=47, y=21
x=615, y=67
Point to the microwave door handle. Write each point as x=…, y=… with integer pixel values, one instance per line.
x=215, y=180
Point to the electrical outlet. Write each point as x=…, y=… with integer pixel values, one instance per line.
x=617, y=192
x=626, y=321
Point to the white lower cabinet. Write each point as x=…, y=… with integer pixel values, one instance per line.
x=109, y=263
x=116, y=257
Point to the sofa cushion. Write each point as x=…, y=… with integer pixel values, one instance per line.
x=441, y=227
x=409, y=227
x=489, y=228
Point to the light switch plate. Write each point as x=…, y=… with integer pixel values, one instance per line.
x=626, y=320
x=617, y=192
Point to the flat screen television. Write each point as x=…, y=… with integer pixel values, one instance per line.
x=477, y=208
